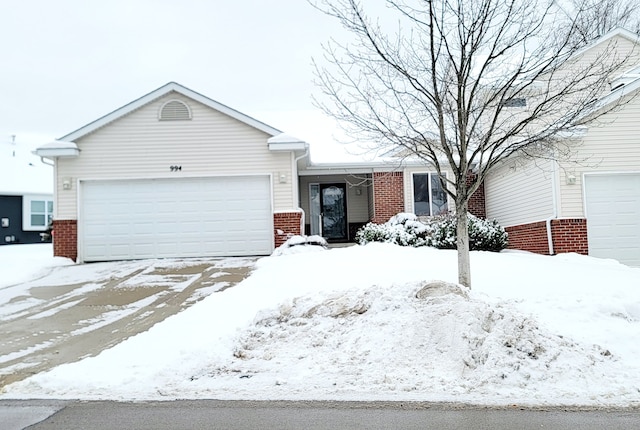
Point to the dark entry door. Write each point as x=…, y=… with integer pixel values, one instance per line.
x=333, y=206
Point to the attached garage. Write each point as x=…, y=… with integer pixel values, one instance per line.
x=612, y=203
x=182, y=217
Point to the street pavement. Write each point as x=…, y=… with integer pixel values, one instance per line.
x=249, y=415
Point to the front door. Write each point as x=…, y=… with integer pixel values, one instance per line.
x=333, y=209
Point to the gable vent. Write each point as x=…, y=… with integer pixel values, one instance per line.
x=175, y=110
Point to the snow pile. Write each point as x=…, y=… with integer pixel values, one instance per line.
x=23, y=262
x=439, y=347
x=363, y=323
x=301, y=244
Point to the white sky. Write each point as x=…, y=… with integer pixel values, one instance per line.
x=68, y=62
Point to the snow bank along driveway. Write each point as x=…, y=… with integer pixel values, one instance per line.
x=77, y=311
x=351, y=324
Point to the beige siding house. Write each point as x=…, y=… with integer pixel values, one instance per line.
x=173, y=174
x=176, y=174
x=589, y=203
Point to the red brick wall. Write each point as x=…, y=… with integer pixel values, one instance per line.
x=529, y=237
x=286, y=224
x=476, y=201
x=388, y=195
x=65, y=238
x=568, y=235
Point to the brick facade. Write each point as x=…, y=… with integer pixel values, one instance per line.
x=286, y=224
x=476, y=202
x=568, y=235
x=65, y=238
x=529, y=237
x=388, y=195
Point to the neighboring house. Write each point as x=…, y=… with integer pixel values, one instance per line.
x=26, y=195
x=589, y=204
x=176, y=174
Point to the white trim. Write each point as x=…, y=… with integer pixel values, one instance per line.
x=413, y=192
x=26, y=211
x=189, y=114
x=155, y=94
x=288, y=146
x=619, y=31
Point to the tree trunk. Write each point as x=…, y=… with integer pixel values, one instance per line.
x=462, y=231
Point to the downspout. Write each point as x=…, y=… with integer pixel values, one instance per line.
x=554, y=196
x=44, y=162
x=296, y=190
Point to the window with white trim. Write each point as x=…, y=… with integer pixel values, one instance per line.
x=429, y=198
x=37, y=212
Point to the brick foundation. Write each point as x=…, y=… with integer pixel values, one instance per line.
x=65, y=238
x=568, y=235
x=388, y=195
x=286, y=224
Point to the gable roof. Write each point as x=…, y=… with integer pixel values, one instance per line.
x=155, y=94
x=607, y=37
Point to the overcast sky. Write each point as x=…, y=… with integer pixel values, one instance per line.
x=66, y=63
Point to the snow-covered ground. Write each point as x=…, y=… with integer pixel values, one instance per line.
x=346, y=324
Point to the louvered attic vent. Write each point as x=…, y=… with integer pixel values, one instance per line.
x=175, y=110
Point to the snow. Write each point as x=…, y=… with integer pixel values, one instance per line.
x=357, y=323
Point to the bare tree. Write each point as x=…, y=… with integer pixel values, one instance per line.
x=461, y=85
x=597, y=17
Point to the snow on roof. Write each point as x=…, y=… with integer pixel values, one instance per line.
x=21, y=172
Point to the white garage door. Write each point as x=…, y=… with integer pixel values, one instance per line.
x=187, y=217
x=613, y=216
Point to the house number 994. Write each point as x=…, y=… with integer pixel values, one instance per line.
x=175, y=168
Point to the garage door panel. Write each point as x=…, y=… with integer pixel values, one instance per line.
x=176, y=217
x=613, y=216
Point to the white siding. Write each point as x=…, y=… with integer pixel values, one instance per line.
x=611, y=146
x=519, y=194
x=139, y=146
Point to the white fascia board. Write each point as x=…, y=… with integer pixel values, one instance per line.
x=165, y=89
x=615, y=95
x=58, y=149
x=619, y=31
x=291, y=146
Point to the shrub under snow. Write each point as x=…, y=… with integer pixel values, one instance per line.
x=440, y=232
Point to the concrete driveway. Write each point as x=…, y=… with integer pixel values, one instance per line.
x=78, y=311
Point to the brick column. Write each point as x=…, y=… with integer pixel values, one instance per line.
x=65, y=238
x=286, y=224
x=476, y=201
x=388, y=195
x=570, y=235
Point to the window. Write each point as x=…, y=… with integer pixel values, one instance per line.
x=429, y=198
x=515, y=102
x=37, y=212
